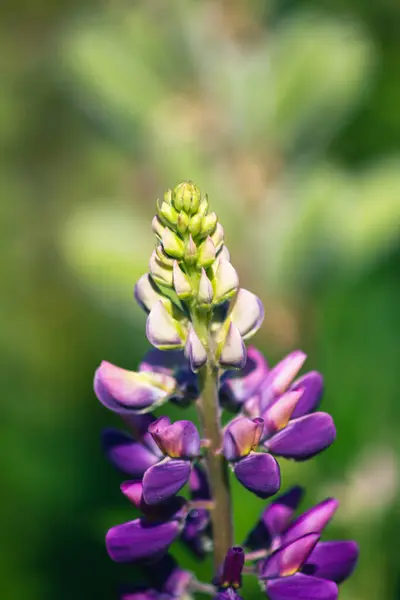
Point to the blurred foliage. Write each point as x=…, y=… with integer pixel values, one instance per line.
x=286, y=113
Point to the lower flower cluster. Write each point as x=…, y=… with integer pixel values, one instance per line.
x=275, y=416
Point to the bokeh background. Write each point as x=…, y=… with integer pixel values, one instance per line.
x=287, y=114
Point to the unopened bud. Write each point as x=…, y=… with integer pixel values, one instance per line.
x=182, y=284
x=183, y=222
x=167, y=261
x=168, y=197
x=226, y=281
x=191, y=252
x=195, y=225
x=218, y=236
x=157, y=227
x=207, y=253
x=206, y=293
x=186, y=196
x=172, y=244
x=167, y=212
x=160, y=273
x=209, y=223
x=203, y=208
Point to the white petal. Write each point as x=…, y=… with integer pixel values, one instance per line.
x=247, y=313
x=233, y=354
x=162, y=330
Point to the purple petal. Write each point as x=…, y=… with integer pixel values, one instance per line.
x=146, y=293
x=247, y=313
x=178, y=440
x=233, y=354
x=242, y=436
x=167, y=362
x=125, y=391
x=162, y=330
x=289, y=559
x=332, y=560
x=259, y=473
x=301, y=587
x=165, y=479
x=312, y=385
x=304, y=437
x=312, y=521
x=228, y=594
x=279, y=413
x=232, y=568
x=140, y=539
x=138, y=424
x=139, y=594
x=127, y=455
x=281, y=376
x=275, y=519
x=237, y=387
x=195, y=351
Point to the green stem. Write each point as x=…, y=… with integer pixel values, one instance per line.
x=221, y=515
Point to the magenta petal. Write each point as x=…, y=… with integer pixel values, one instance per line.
x=312, y=385
x=140, y=539
x=332, y=560
x=301, y=587
x=289, y=559
x=259, y=473
x=303, y=437
x=178, y=440
x=237, y=387
x=312, y=521
x=165, y=479
x=125, y=391
x=242, y=436
x=127, y=455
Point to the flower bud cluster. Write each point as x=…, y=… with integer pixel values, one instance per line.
x=191, y=293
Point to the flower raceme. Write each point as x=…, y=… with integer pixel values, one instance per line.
x=198, y=319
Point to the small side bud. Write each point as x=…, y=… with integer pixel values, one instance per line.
x=163, y=258
x=195, y=351
x=182, y=284
x=207, y=253
x=195, y=225
x=182, y=223
x=205, y=293
x=218, y=237
x=157, y=227
x=203, y=208
x=160, y=273
x=167, y=212
x=172, y=244
x=233, y=353
x=186, y=196
x=168, y=197
x=209, y=224
x=191, y=251
x=226, y=281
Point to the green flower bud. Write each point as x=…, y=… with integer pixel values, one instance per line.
x=209, y=224
x=207, y=253
x=160, y=273
x=182, y=283
x=168, y=213
x=203, y=208
x=183, y=222
x=191, y=252
x=195, y=225
x=163, y=258
x=186, y=196
x=172, y=244
x=168, y=197
x=157, y=227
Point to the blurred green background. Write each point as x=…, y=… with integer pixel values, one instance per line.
x=287, y=114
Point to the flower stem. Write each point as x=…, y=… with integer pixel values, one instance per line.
x=221, y=515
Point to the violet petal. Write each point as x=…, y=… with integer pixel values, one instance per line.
x=332, y=560
x=289, y=559
x=165, y=479
x=312, y=521
x=312, y=384
x=303, y=437
x=259, y=473
x=301, y=587
x=127, y=455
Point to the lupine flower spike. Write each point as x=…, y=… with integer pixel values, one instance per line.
x=198, y=320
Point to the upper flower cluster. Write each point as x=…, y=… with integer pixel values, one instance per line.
x=192, y=291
